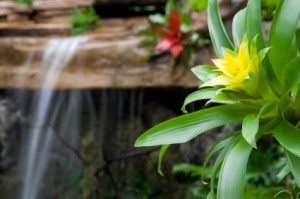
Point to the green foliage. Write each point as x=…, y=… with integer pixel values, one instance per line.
x=199, y=5
x=252, y=83
x=26, y=2
x=84, y=21
x=195, y=189
x=265, y=164
x=268, y=8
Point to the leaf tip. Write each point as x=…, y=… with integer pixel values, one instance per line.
x=183, y=109
x=138, y=143
x=160, y=172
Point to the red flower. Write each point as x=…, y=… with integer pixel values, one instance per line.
x=173, y=39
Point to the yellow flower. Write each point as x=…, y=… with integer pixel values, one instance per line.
x=234, y=67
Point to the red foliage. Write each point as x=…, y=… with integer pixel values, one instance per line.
x=173, y=39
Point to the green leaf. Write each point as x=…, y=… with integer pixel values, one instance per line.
x=253, y=26
x=238, y=25
x=282, y=33
x=157, y=18
x=199, y=5
x=232, y=97
x=250, y=128
x=294, y=163
x=216, y=28
x=201, y=94
x=297, y=103
x=205, y=72
x=233, y=172
x=265, y=80
x=148, y=42
x=269, y=109
x=222, y=143
x=187, y=127
x=170, y=6
x=288, y=136
x=284, y=172
x=162, y=152
x=293, y=51
x=292, y=73
x=185, y=167
x=215, y=170
x=298, y=39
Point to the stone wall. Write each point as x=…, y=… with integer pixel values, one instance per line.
x=128, y=2
x=47, y=17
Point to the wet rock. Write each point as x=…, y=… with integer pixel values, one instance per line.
x=6, y=163
x=5, y=11
x=100, y=68
x=136, y=2
x=15, y=17
x=58, y=5
x=8, y=119
x=28, y=29
x=16, y=7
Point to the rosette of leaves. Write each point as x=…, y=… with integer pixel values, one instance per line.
x=84, y=21
x=251, y=83
x=171, y=33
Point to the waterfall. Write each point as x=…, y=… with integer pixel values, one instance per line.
x=46, y=106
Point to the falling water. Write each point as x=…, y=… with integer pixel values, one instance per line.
x=58, y=53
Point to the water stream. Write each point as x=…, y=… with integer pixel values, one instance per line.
x=66, y=135
x=58, y=53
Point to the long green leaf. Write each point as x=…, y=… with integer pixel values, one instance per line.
x=291, y=73
x=201, y=94
x=298, y=39
x=187, y=127
x=215, y=170
x=294, y=163
x=216, y=28
x=238, y=25
x=250, y=128
x=283, y=173
x=161, y=154
x=253, y=26
x=288, y=136
x=232, y=175
x=222, y=143
x=269, y=109
x=297, y=103
x=205, y=72
x=282, y=33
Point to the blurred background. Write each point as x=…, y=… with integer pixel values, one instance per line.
x=82, y=79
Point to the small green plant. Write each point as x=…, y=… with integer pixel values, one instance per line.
x=84, y=21
x=254, y=83
x=199, y=5
x=26, y=2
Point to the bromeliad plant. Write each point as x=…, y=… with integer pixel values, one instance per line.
x=252, y=83
x=172, y=32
